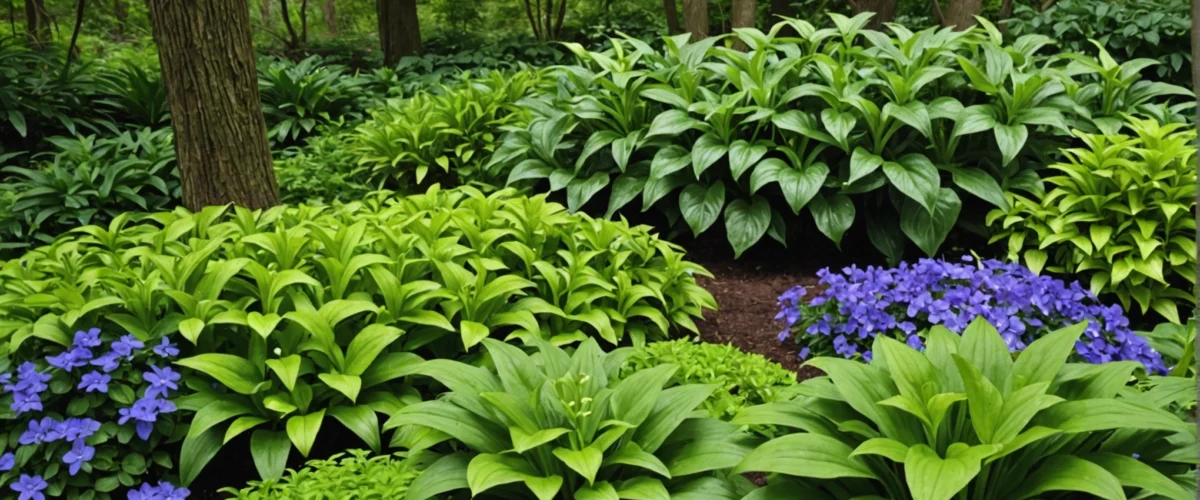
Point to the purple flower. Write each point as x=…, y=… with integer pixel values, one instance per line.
x=166, y=349
x=30, y=487
x=28, y=388
x=164, y=491
x=88, y=339
x=79, y=428
x=145, y=412
x=46, y=430
x=161, y=380
x=7, y=462
x=804, y=353
x=108, y=362
x=125, y=346
x=78, y=455
x=95, y=381
x=71, y=359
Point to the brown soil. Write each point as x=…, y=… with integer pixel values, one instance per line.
x=747, y=293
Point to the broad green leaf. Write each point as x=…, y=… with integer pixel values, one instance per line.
x=1091, y=415
x=191, y=329
x=642, y=488
x=700, y=206
x=362, y=421
x=473, y=333
x=1041, y=361
x=889, y=448
x=241, y=425
x=833, y=215
x=580, y=191
x=599, y=491
x=746, y=222
x=196, y=453
x=303, y=429
x=862, y=163
x=983, y=348
x=586, y=461
x=635, y=396
x=669, y=160
x=1011, y=139
x=707, y=151
x=367, y=345
x=800, y=186
x=523, y=441
x=631, y=454
x=447, y=474
x=981, y=184
x=931, y=477
x=671, y=123
x=806, y=455
x=236, y=373
x=1063, y=472
x=262, y=325
x=350, y=385
x=474, y=431
x=672, y=407
x=487, y=471
x=1133, y=473
x=743, y=155
x=270, y=452
x=928, y=230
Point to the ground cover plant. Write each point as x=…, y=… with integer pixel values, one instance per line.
x=964, y=417
x=354, y=474
x=297, y=314
x=858, y=305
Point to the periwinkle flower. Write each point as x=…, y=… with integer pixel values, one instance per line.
x=125, y=346
x=79, y=454
x=30, y=487
x=163, y=491
x=95, y=382
x=79, y=428
x=7, y=462
x=71, y=359
x=161, y=381
x=166, y=349
x=46, y=430
x=88, y=339
x=108, y=362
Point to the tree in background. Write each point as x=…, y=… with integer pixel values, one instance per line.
x=295, y=40
x=672, y=17
x=695, y=18
x=207, y=58
x=329, y=12
x=745, y=15
x=399, y=29
x=546, y=20
x=885, y=10
x=959, y=14
x=37, y=23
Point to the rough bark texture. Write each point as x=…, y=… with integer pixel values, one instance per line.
x=329, y=11
x=960, y=14
x=1196, y=87
x=885, y=11
x=37, y=23
x=399, y=31
x=695, y=18
x=744, y=15
x=672, y=17
x=207, y=60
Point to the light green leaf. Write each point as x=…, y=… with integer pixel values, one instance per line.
x=806, y=455
x=270, y=452
x=586, y=461
x=473, y=333
x=303, y=429
x=236, y=373
x=1063, y=472
x=746, y=222
x=287, y=369
x=350, y=385
x=700, y=206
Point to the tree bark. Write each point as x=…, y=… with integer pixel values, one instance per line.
x=672, y=17
x=207, y=58
x=399, y=30
x=960, y=14
x=744, y=15
x=37, y=23
x=695, y=18
x=121, y=15
x=885, y=11
x=329, y=10
x=304, y=21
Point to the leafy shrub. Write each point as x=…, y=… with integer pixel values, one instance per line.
x=1119, y=214
x=746, y=379
x=339, y=476
x=295, y=314
x=323, y=170
x=91, y=417
x=449, y=133
x=858, y=305
x=93, y=180
x=1177, y=344
x=1151, y=29
x=39, y=99
x=697, y=129
x=558, y=425
x=135, y=96
x=964, y=418
x=300, y=96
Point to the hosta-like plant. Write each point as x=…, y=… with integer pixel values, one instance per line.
x=963, y=418
x=295, y=315
x=1119, y=213
x=555, y=425
x=299, y=96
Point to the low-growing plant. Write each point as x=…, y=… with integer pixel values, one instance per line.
x=352, y=474
x=321, y=171
x=135, y=96
x=558, y=425
x=298, y=97
x=857, y=305
x=299, y=314
x=90, y=417
x=40, y=100
x=744, y=379
x=1177, y=345
x=92, y=180
x=1119, y=215
x=964, y=418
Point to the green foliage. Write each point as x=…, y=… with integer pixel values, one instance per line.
x=338, y=477
x=744, y=379
x=965, y=418
x=297, y=314
x=136, y=96
x=559, y=425
x=447, y=133
x=1177, y=344
x=37, y=100
x=842, y=121
x=300, y=96
x=91, y=180
x=1151, y=29
x=1119, y=213
x=321, y=171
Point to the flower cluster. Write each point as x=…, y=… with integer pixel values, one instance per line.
x=107, y=380
x=858, y=304
x=163, y=491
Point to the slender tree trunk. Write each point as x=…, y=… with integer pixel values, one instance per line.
x=285, y=12
x=80, y=5
x=37, y=23
x=399, y=31
x=744, y=15
x=885, y=11
x=533, y=23
x=672, y=17
x=207, y=58
x=329, y=10
x=121, y=15
x=1196, y=87
x=562, y=16
x=265, y=10
x=960, y=14
x=695, y=18
x=304, y=21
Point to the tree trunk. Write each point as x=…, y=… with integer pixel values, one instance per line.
x=207, y=58
x=960, y=14
x=744, y=15
x=121, y=15
x=1196, y=87
x=286, y=13
x=37, y=23
x=304, y=21
x=266, y=11
x=885, y=11
x=399, y=31
x=672, y=17
x=329, y=10
x=695, y=18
